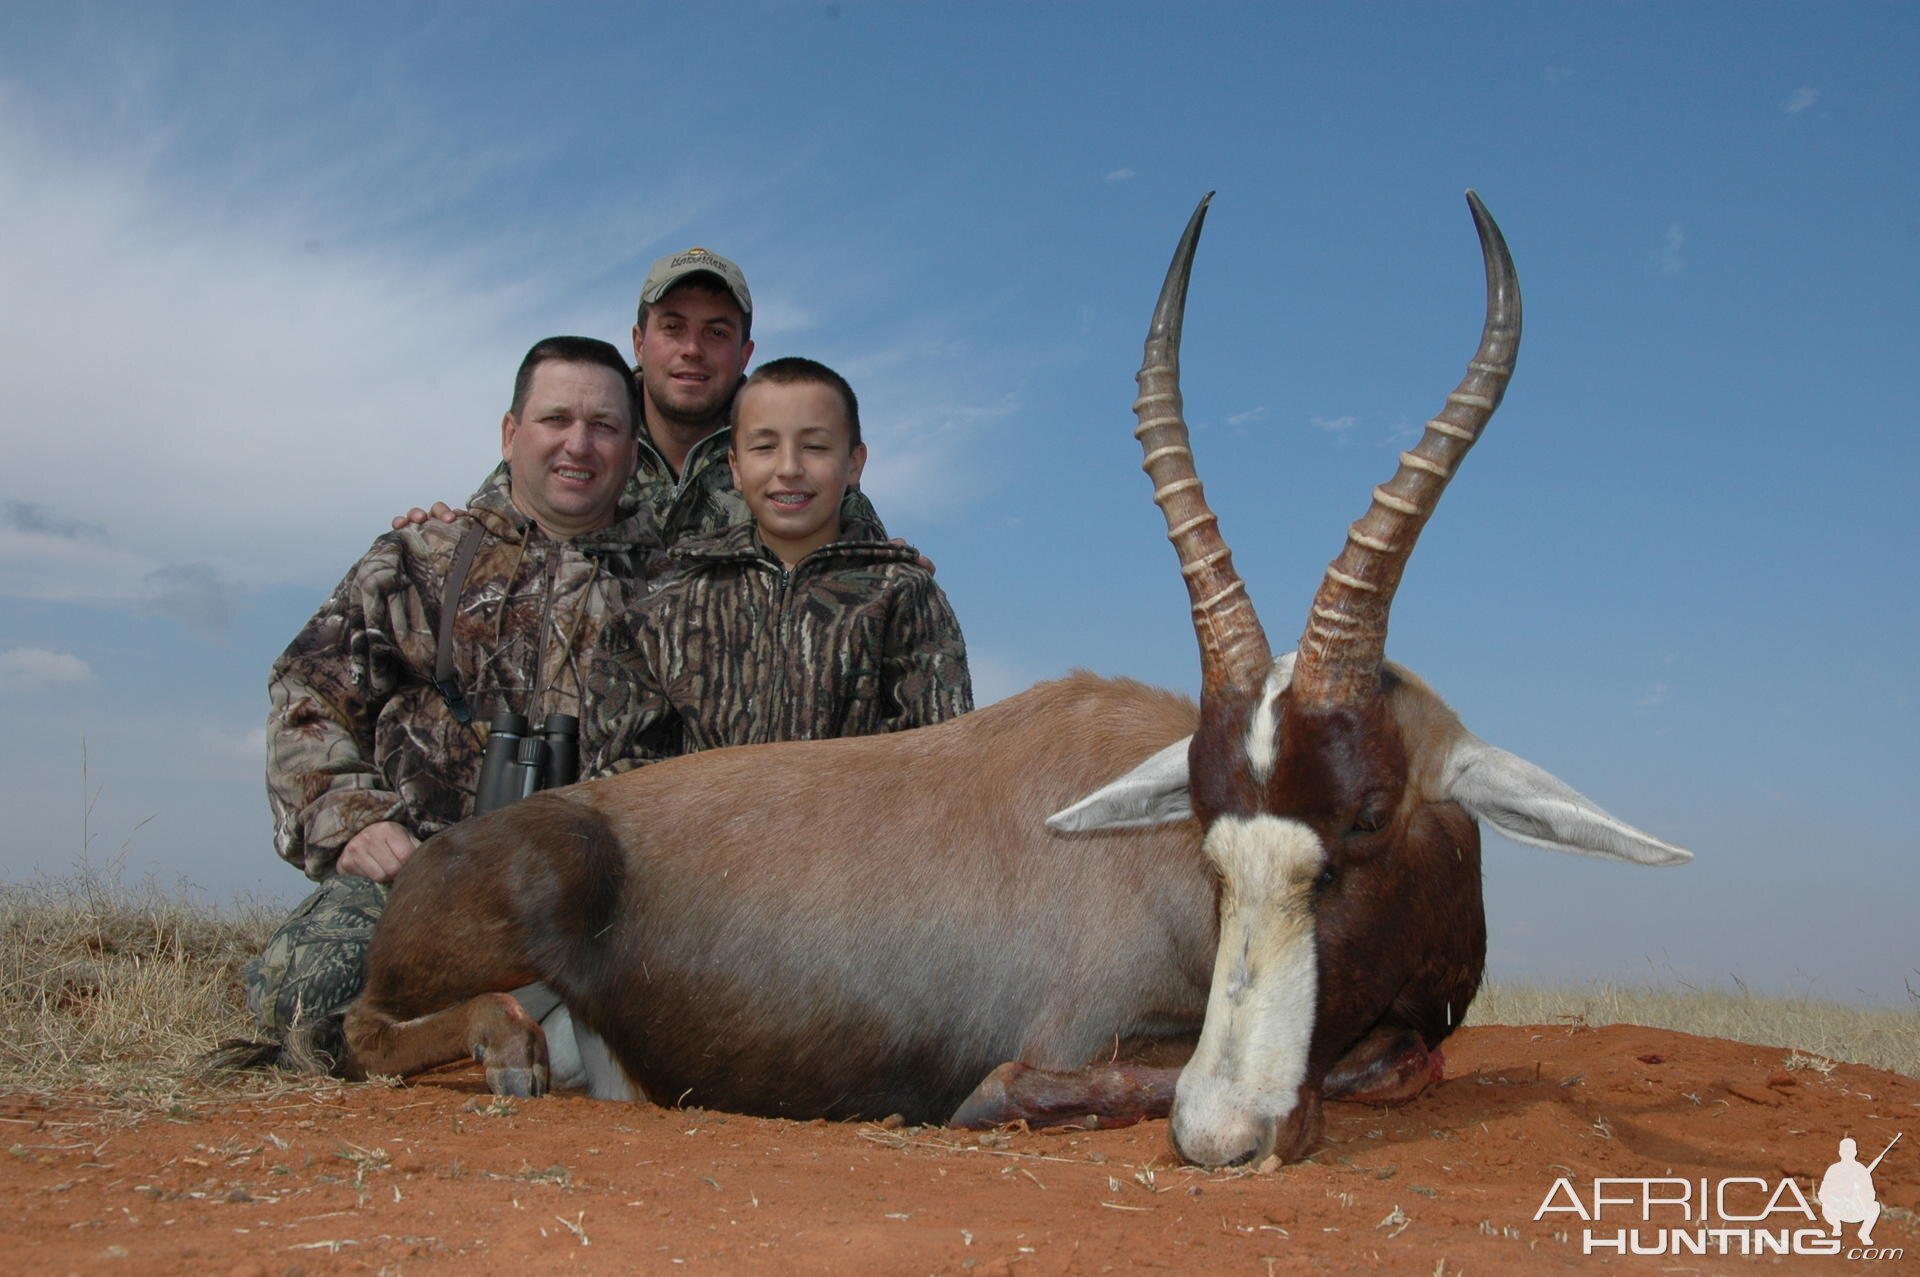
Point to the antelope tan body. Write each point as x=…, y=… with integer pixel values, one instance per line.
x=968, y=919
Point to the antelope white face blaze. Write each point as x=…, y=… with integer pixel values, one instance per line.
x=1245, y=1075
x=1262, y=737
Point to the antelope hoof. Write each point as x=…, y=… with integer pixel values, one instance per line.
x=515, y=1054
x=992, y=1102
x=521, y=1083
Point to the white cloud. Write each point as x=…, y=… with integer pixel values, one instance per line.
x=778, y=320
x=291, y=368
x=35, y=669
x=919, y=447
x=43, y=566
x=226, y=749
x=1120, y=175
x=1556, y=76
x=195, y=594
x=32, y=517
x=1251, y=414
x=1335, y=425
x=44, y=556
x=1669, y=256
x=1800, y=99
x=1653, y=698
x=272, y=396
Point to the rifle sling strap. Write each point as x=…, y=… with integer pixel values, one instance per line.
x=444, y=680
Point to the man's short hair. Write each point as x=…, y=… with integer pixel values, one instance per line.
x=702, y=282
x=795, y=371
x=575, y=350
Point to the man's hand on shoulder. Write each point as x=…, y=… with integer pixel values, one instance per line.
x=922, y=560
x=377, y=852
x=416, y=517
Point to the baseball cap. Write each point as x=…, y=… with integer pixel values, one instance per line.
x=671, y=269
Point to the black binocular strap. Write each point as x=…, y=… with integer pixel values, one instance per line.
x=443, y=672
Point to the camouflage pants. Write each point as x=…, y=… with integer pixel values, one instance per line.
x=316, y=963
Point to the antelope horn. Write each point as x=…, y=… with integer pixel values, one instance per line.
x=1233, y=647
x=1346, y=635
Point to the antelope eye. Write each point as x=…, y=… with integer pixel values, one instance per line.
x=1325, y=879
x=1372, y=817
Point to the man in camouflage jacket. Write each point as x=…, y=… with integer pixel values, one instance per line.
x=736, y=649
x=366, y=756
x=691, y=343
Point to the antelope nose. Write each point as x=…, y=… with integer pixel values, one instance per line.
x=1235, y=1142
x=1206, y=1135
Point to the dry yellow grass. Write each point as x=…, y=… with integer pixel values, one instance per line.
x=1885, y=1037
x=117, y=990
x=123, y=991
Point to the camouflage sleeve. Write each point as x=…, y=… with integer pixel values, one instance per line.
x=858, y=521
x=925, y=665
x=633, y=722
x=324, y=693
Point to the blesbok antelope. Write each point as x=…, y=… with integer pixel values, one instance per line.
x=859, y=927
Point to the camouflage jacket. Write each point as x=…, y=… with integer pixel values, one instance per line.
x=736, y=650
x=703, y=500
x=358, y=734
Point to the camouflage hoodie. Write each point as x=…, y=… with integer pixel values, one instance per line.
x=737, y=650
x=358, y=734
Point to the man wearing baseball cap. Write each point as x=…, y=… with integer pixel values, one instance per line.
x=691, y=343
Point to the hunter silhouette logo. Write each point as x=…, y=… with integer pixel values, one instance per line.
x=1846, y=1191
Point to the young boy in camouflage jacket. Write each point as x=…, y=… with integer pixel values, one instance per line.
x=778, y=629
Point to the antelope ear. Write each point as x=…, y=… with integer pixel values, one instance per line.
x=1154, y=793
x=1531, y=805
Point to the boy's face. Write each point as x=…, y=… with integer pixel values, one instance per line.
x=791, y=462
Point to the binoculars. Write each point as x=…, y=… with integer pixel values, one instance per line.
x=519, y=762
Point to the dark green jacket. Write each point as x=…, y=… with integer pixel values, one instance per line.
x=737, y=650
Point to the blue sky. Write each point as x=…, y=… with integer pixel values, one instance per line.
x=268, y=272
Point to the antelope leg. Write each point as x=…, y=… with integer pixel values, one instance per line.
x=1113, y=1095
x=491, y=1028
x=1390, y=1065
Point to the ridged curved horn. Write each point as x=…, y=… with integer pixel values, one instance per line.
x=1233, y=647
x=1346, y=635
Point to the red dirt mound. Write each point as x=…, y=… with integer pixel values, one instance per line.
x=438, y=1175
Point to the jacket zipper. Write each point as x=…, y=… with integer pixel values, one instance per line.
x=782, y=588
x=554, y=550
x=681, y=480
